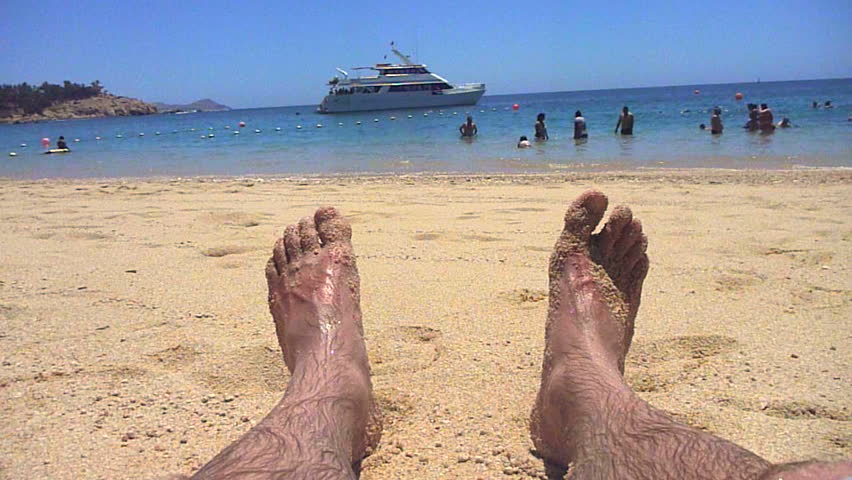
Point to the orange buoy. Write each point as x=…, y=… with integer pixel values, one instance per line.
x=515, y=106
x=738, y=96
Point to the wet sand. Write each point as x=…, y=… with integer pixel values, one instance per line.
x=135, y=339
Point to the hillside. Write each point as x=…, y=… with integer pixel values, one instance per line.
x=103, y=105
x=203, y=105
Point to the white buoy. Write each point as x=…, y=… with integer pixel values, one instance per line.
x=455, y=113
x=24, y=145
x=256, y=130
x=191, y=129
x=236, y=132
x=411, y=116
x=141, y=134
x=209, y=128
x=358, y=122
x=277, y=129
x=227, y=127
x=174, y=131
x=493, y=109
x=210, y=135
x=298, y=127
x=156, y=133
x=375, y=120
x=319, y=125
x=482, y=111
x=425, y=114
x=204, y=136
x=76, y=139
x=97, y=138
x=13, y=154
x=393, y=118
x=339, y=124
x=119, y=136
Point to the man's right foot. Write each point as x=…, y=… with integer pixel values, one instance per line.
x=595, y=288
x=314, y=298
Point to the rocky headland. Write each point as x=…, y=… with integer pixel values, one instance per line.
x=103, y=105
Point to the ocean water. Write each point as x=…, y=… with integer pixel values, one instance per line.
x=666, y=135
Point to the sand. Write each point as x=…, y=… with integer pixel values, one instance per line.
x=135, y=338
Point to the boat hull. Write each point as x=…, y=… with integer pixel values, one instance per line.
x=399, y=100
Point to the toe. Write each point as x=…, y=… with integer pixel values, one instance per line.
x=308, y=235
x=637, y=278
x=584, y=214
x=621, y=217
x=332, y=226
x=292, y=243
x=631, y=259
x=631, y=234
x=271, y=271
x=279, y=256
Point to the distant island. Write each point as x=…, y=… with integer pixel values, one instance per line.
x=203, y=105
x=24, y=103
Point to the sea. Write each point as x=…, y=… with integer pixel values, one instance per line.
x=295, y=140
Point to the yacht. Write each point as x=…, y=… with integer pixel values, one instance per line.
x=403, y=85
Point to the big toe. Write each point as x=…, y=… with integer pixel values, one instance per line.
x=583, y=216
x=332, y=226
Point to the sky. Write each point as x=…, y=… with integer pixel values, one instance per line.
x=262, y=54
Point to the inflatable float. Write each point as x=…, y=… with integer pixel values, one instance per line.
x=57, y=150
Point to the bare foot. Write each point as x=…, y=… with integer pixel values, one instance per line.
x=314, y=298
x=595, y=288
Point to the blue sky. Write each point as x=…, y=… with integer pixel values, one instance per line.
x=254, y=54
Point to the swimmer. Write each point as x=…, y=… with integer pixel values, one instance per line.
x=468, y=129
x=751, y=124
x=702, y=127
x=765, y=120
x=625, y=121
x=580, y=126
x=716, y=126
x=540, y=128
x=785, y=123
x=524, y=142
x=828, y=104
x=586, y=417
x=814, y=104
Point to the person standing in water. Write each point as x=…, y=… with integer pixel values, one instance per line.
x=468, y=129
x=765, y=120
x=625, y=121
x=716, y=126
x=580, y=126
x=540, y=128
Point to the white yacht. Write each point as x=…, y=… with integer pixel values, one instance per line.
x=404, y=85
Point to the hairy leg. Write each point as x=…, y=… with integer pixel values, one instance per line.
x=585, y=417
x=327, y=421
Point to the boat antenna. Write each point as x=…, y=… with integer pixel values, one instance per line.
x=344, y=72
x=401, y=55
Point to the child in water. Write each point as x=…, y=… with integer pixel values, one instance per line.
x=523, y=142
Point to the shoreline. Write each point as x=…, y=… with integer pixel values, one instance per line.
x=820, y=175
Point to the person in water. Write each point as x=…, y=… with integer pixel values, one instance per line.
x=785, y=123
x=580, y=126
x=716, y=126
x=751, y=124
x=765, y=120
x=540, y=128
x=524, y=142
x=585, y=417
x=468, y=129
x=625, y=121
x=60, y=144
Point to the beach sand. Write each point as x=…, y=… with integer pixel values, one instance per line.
x=135, y=338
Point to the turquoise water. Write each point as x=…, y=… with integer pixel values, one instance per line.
x=666, y=136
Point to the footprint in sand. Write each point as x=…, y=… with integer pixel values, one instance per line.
x=794, y=409
x=246, y=370
x=524, y=296
x=226, y=250
x=658, y=365
x=405, y=349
